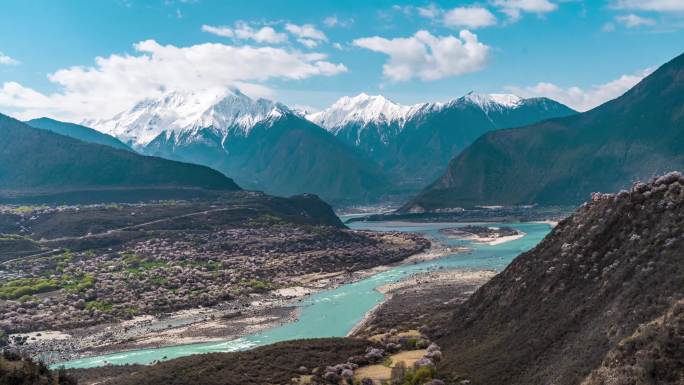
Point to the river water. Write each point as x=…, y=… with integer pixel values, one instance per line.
x=333, y=313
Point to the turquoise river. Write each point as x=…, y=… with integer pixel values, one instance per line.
x=333, y=313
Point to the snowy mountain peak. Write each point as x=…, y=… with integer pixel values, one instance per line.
x=489, y=101
x=360, y=109
x=178, y=112
x=364, y=109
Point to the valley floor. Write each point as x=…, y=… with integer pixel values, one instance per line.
x=226, y=321
x=99, y=278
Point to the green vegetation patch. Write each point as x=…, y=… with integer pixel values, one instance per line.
x=161, y=281
x=99, y=305
x=20, y=287
x=265, y=220
x=77, y=284
x=14, y=237
x=136, y=264
x=22, y=210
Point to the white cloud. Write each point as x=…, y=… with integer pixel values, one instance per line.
x=514, y=8
x=582, y=99
x=219, y=31
x=406, y=9
x=117, y=82
x=334, y=21
x=330, y=21
x=306, y=31
x=650, y=5
x=460, y=17
x=308, y=43
x=634, y=21
x=244, y=31
x=430, y=12
x=428, y=57
x=470, y=17
x=6, y=60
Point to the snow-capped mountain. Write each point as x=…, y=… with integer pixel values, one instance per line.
x=260, y=143
x=365, y=110
x=182, y=113
x=368, y=121
x=414, y=143
x=349, y=152
x=488, y=102
x=362, y=109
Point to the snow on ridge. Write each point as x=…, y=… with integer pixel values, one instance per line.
x=489, y=101
x=179, y=112
x=183, y=112
x=363, y=109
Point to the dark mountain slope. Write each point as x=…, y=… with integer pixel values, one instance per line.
x=271, y=364
x=19, y=370
x=600, y=294
x=421, y=152
x=653, y=354
x=34, y=161
x=79, y=132
x=560, y=161
x=284, y=156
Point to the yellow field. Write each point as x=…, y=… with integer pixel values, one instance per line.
x=379, y=373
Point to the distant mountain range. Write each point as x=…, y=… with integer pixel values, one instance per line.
x=37, y=162
x=414, y=144
x=359, y=150
x=77, y=131
x=561, y=161
x=262, y=144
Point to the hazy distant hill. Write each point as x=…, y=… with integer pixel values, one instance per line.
x=76, y=131
x=561, y=161
x=36, y=161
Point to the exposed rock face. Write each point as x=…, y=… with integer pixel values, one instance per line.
x=598, y=301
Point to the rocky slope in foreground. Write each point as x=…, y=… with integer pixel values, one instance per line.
x=598, y=301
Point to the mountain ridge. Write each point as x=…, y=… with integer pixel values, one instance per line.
x=563, y=160
x=76, y=131
x=414, y=144
x=262, y=144
x=37, y=161
x=397, y=149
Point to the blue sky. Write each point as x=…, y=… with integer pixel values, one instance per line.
x=309, y=53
